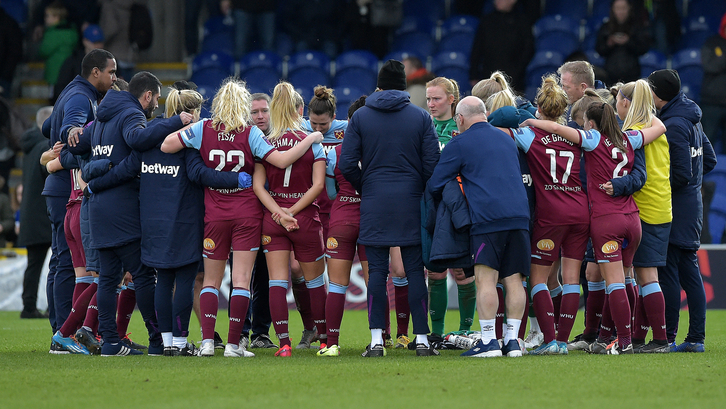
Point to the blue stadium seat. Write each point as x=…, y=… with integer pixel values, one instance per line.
x=449, y=59
x=601, y=8
x=208, y=93
x=283, y=43
x=686, y=58
x=213, y=59
x=460, y=75
x=594, y=58
x=693, y=39
x=457, y=41
x=577, y=9
x=696, y=29
x=357, y=58
x=717, y=217
x=308, y=78
x=261, y=59
x=307, y=94
x=401, y=55
x=458, y=24
x=345, y=96
x=260, y=79
x=688, y=64
x=417, y=43
x=361, y=78
x=215, y=25
x=211, y=77
x=542, y=63
x=412, y=24
x=431, y=9
x=560, y=41
x=220, y=41
x=308, y=59
x=557, y=22
x=716, y=9
x=651, y=61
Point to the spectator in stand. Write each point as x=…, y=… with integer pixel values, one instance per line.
x=58, y=42
x=115, y=21
x=503, y=42
x=255, y=17
x=192, y=11
x=363, y=34
x=11, y=51
x=713, y=103
x=664, y=17
x=324, y=34
x=621, y=41
x=92, y=39
x=416, y=78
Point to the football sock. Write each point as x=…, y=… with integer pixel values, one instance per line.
x=620, y=311
x=487, y=330
x=78, y=312
x=500, y=326
x=81, y=284
x=533, y=321
x=594, y=305
x=278, y=310
x=239, y=302
x=467, y=305
x=438, y=303
x=568, y=311
x=630, y=289
x=302, y=300
x=403, y=310
x=179, y=342
x=376, y=337
x=512, y=329
x=544, y=310
x=208, y=306
x=654, y=304
x=422, y=339
x=168, y=339
x=641, y=326
x=556, y=295
x=334, y=308
x=125, y=308
x=91, y=320
x=316, y=291
x=523, y=323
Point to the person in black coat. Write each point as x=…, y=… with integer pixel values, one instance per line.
x=11, y=50
x=621, y=40
x=397, y=148
x=35, y=230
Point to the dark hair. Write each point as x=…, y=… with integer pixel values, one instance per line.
x=356, y=104
x=120, y=85
x=182, y=85
x=323, y=102
x=605, y=118
x=97, y=58
x=144, y=81
x=414, y=61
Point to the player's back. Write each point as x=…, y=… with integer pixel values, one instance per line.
x=605, y=162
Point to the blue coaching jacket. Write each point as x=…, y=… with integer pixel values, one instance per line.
x=171, y=201
x=692, y=156
x=486, y=159
x=76, y=106
x=120, y=127
x=396, y=145
x=445, y=235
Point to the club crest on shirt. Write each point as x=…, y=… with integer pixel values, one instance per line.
x=454, y=133
x=209, y=244
x=610, y=247
x=266, y=239
x=332, y=243
x=339, y=133
x=546, y=245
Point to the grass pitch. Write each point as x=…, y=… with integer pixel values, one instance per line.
x=32, y=378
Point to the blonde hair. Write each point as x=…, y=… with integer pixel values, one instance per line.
x=488, y=87
x=642, y=106
x=500, y=99
x=284, y=108
x=580, y=106
x=450, y=87
x=185, y=100
x=552, y=100
x=581, y=71
x=231, y=106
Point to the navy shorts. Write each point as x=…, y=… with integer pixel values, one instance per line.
x=653, y=249
x=589, y=253
x=508, y=251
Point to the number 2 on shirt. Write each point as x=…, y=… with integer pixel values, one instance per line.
x=622, y=163
x=227, y=157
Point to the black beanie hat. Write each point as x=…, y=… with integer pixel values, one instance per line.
x=666, y=84
x=392, y=76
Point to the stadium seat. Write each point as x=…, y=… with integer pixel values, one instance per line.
x=557, y=22
x=308, y=78
x=577, y=9
x=716, y=9
x=207, y=93
x=283, y=44
x=261, y=59
x=418, y=43
x=460, y=75
x=401, y=55
x=211, y=77
x=357, y=58
x=361, y=78
x=688, y=64
x=431, y=9
x=543, y=62
x=457, y=41
x=717, y=217
x=651, y=61
x=345, y=96
x=560, y=41
x=696, y=29
x=308, y=59
x=213, y=59
x=601, y=8
x=412, y=24
x=449, y=59
x=594, y=58
x=220, y=41
x=260, y=79
x=459, y=24
x=216, y=24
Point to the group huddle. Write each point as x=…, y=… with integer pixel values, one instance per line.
x=259, y=186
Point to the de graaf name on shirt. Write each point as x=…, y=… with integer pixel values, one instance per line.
x=99, y=150
x=160, y=169
x=552, y=138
